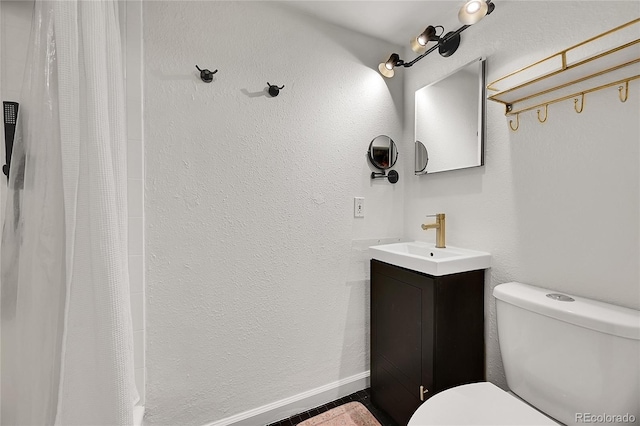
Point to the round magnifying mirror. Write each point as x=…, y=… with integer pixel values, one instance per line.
x=422, y=159
x=383, y=152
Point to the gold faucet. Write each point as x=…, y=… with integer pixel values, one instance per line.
x=439, y=226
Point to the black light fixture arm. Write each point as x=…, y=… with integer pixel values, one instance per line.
x=409, y=64
x=434, y=47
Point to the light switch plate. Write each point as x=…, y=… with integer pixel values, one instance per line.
x=358, y=207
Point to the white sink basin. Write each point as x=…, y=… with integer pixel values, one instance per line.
x=426, y=258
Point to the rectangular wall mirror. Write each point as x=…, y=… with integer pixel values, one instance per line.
x=449, y=129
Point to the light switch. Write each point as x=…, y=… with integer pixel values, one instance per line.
x=358, y=207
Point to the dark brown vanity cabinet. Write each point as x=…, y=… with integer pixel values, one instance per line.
x=427, y=335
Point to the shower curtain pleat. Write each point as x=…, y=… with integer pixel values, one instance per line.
x=33, y=242
x=65, y=284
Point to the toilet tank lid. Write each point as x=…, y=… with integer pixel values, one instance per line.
x=587, y=313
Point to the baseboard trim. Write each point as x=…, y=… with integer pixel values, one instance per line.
x=299, y=403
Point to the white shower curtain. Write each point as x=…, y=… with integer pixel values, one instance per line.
x=67, y=340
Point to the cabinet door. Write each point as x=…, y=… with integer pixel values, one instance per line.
x=397, y=337
x=459, y=320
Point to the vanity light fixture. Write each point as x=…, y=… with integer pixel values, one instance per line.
x=386, y=68
x=419, y=44
x=470, y=13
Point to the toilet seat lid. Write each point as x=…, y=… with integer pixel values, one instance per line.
x=477, y=404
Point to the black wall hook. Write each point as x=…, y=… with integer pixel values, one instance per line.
x=274, y=90
x=206, y=75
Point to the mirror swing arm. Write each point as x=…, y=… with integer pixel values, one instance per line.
x=393, y=176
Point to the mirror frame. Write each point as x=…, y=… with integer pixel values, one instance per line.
x=420, y=164
x=481, y=121
x=393, y=153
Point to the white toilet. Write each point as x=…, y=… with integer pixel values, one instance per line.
x=567, y=360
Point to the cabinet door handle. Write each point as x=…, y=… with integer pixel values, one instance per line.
x=423, y=391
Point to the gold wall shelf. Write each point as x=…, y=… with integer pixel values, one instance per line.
x=606, y=60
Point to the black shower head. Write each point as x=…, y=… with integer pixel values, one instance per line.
x=10, y=120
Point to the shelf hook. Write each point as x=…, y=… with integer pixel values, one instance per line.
x=546, y=114
x=517, y=123
x=575, y=104
x=626, y=92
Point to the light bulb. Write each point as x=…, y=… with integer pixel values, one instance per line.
x=473, y=11
x=419, y=43
x=417, y=46
x=472, y=6
x=386, y=71
x=386, y=68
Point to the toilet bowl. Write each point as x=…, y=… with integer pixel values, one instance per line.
x=564, y=357
x=477, y=404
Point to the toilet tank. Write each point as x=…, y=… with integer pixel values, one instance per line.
x=577, y=361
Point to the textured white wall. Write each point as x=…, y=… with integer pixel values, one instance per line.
x=557, y=203
x=257, y=286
